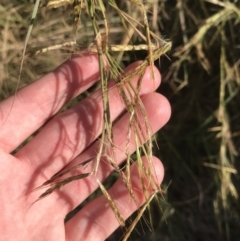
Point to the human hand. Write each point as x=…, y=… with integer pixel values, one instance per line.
x=64, y=140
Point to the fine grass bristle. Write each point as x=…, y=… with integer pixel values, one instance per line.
x=199, y=147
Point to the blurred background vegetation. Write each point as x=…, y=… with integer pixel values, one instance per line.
x=200, y=145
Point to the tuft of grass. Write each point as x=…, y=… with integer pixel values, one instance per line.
x=92, y=14
x=200, y=145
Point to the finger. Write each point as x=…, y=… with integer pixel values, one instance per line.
x=22, y=114
x=158, y=111
x=69, y=133
x=96, y=221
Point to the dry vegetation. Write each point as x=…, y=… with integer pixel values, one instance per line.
x=201, y=78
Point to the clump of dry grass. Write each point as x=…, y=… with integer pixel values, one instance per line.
x=93, y=14
x=200, y=145
x=204, y=138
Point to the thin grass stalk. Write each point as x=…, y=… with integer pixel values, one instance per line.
x=140, y=214
x=107, y=129
x=112, y=204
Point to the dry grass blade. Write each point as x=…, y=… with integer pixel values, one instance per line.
x=56, y=3
x=50, y=48
x=92, y=48
x=56, y=186
x=62, y=173
x=34, y=13
x=140, y=213
x=112, y=204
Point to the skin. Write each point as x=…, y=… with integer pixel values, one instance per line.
x=65, y=140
